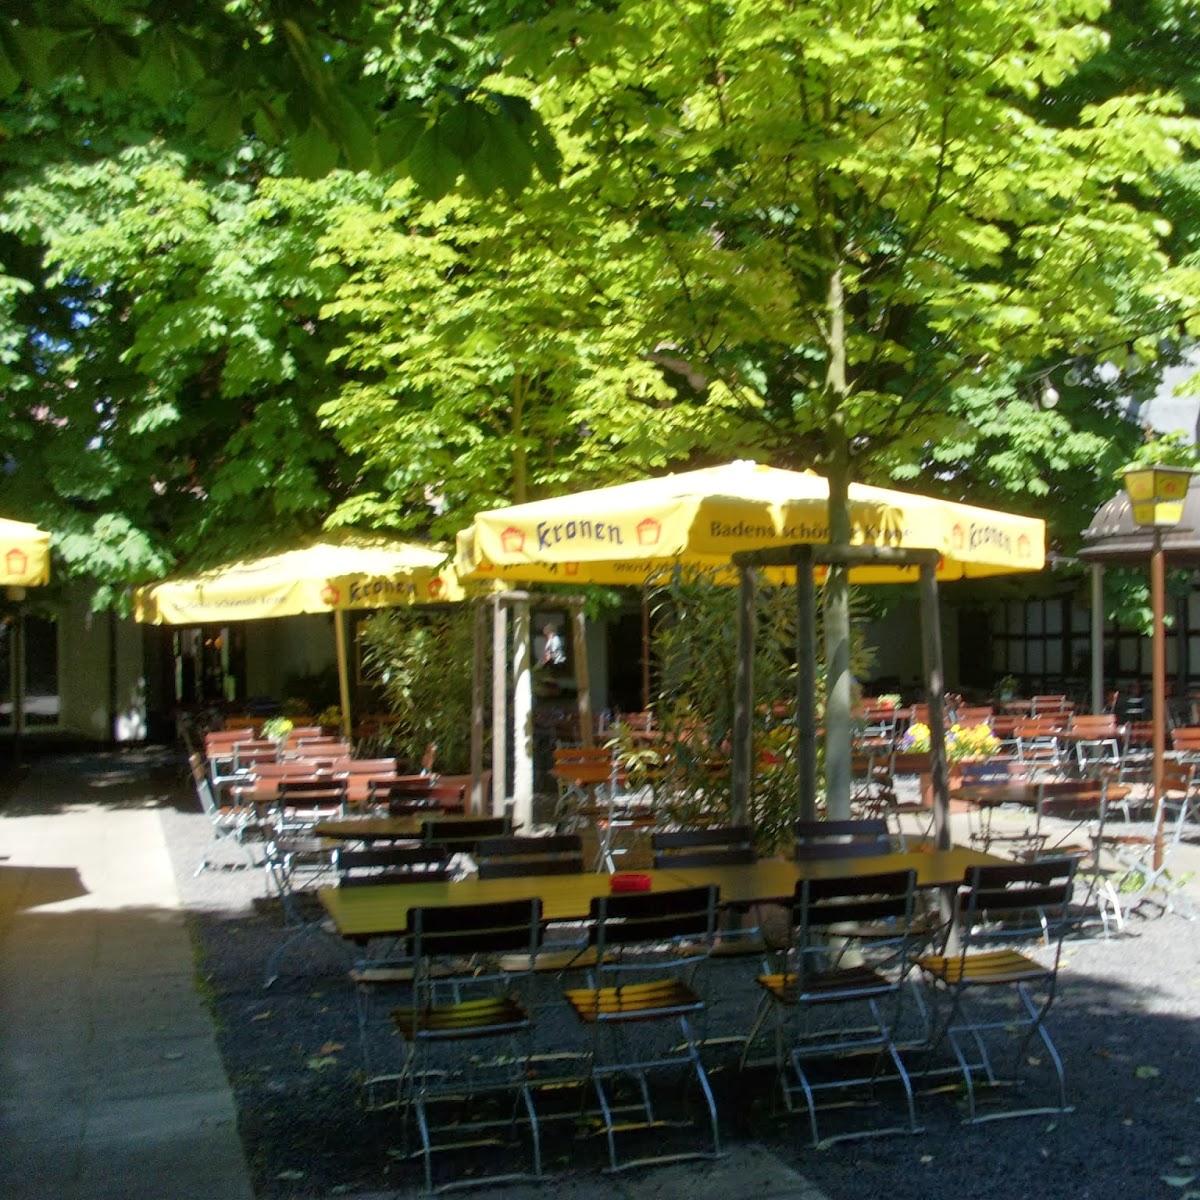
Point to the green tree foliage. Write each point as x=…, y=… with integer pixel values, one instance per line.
x=695, y=665
x=365, y=84
x=416, y=658
x=871, y=220
x=165, y=361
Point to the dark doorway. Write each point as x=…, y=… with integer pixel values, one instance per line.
x=975, y=649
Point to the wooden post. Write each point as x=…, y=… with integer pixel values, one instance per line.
x=17, y=673
x=522, y=669
x=931, y=653
x=1097, y=616
x=583, y=682
x=499, y=706
x=478, y=671
x=1158, y=687
x=806, y=686
x=645, y=651
x=343, y=669
x=742, y=767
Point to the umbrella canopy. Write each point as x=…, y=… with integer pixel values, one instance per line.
x=625, y=533
x=24, y=554
x=333, y=574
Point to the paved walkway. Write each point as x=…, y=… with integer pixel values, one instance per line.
x=110, y=1081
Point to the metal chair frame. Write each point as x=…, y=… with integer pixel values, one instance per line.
x=291, y=851
x=451, y=949
x=662, y=939
x=1002, y=905
x=230, y=823
x=827, y=912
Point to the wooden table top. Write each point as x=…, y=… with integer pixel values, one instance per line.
x=375, y=911
x=369, y=911
x=775, y=879
x=1024, y=792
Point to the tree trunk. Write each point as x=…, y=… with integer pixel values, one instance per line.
x=837, y=589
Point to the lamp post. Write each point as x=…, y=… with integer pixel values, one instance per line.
x=1156, y=496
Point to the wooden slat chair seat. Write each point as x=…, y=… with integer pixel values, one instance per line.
x=998, y=909
x=299, y=733
x=969, y=717
x=488, y=1017
x=486, y=1006
x=641, y=978
x=651, y=1001
x=992, y=966
x=1185, y=740
x=851, y=996
x=829, y=987
x=248, y=755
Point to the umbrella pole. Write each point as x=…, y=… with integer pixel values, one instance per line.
x=339, y=637
x=499, y=706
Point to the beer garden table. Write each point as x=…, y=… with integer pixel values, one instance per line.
x=376, y=911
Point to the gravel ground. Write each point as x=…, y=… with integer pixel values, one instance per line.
x=1126, y=1023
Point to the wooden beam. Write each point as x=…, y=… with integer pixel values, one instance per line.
x=479, y=628
x=823, y=555
x=343, y=667
x=806, y=688
x=583, y=679
x=742, y=769
x=931, y=653
x=499, y=707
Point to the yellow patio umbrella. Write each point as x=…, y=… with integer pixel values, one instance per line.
x=24, y=554
x=628, y=532
x=332, y=575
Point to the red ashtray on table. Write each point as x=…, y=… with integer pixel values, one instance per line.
x=629, y=882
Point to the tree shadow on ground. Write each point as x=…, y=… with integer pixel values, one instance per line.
x=139, y=777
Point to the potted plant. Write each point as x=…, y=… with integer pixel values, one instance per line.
x=1006, y=689
x=964, y=743
x=276, y=729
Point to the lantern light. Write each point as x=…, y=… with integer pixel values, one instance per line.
x=1157, y=493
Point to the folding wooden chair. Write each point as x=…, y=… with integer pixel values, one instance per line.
x=383, y=963
x=514, y=857
x=841, y=839
x=462, y=837
x=228, y=822
x=450, y=949
x=294, y=857
x=826, y=912
x=659, y=939
x=1134, y=880
x=1006, y=907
